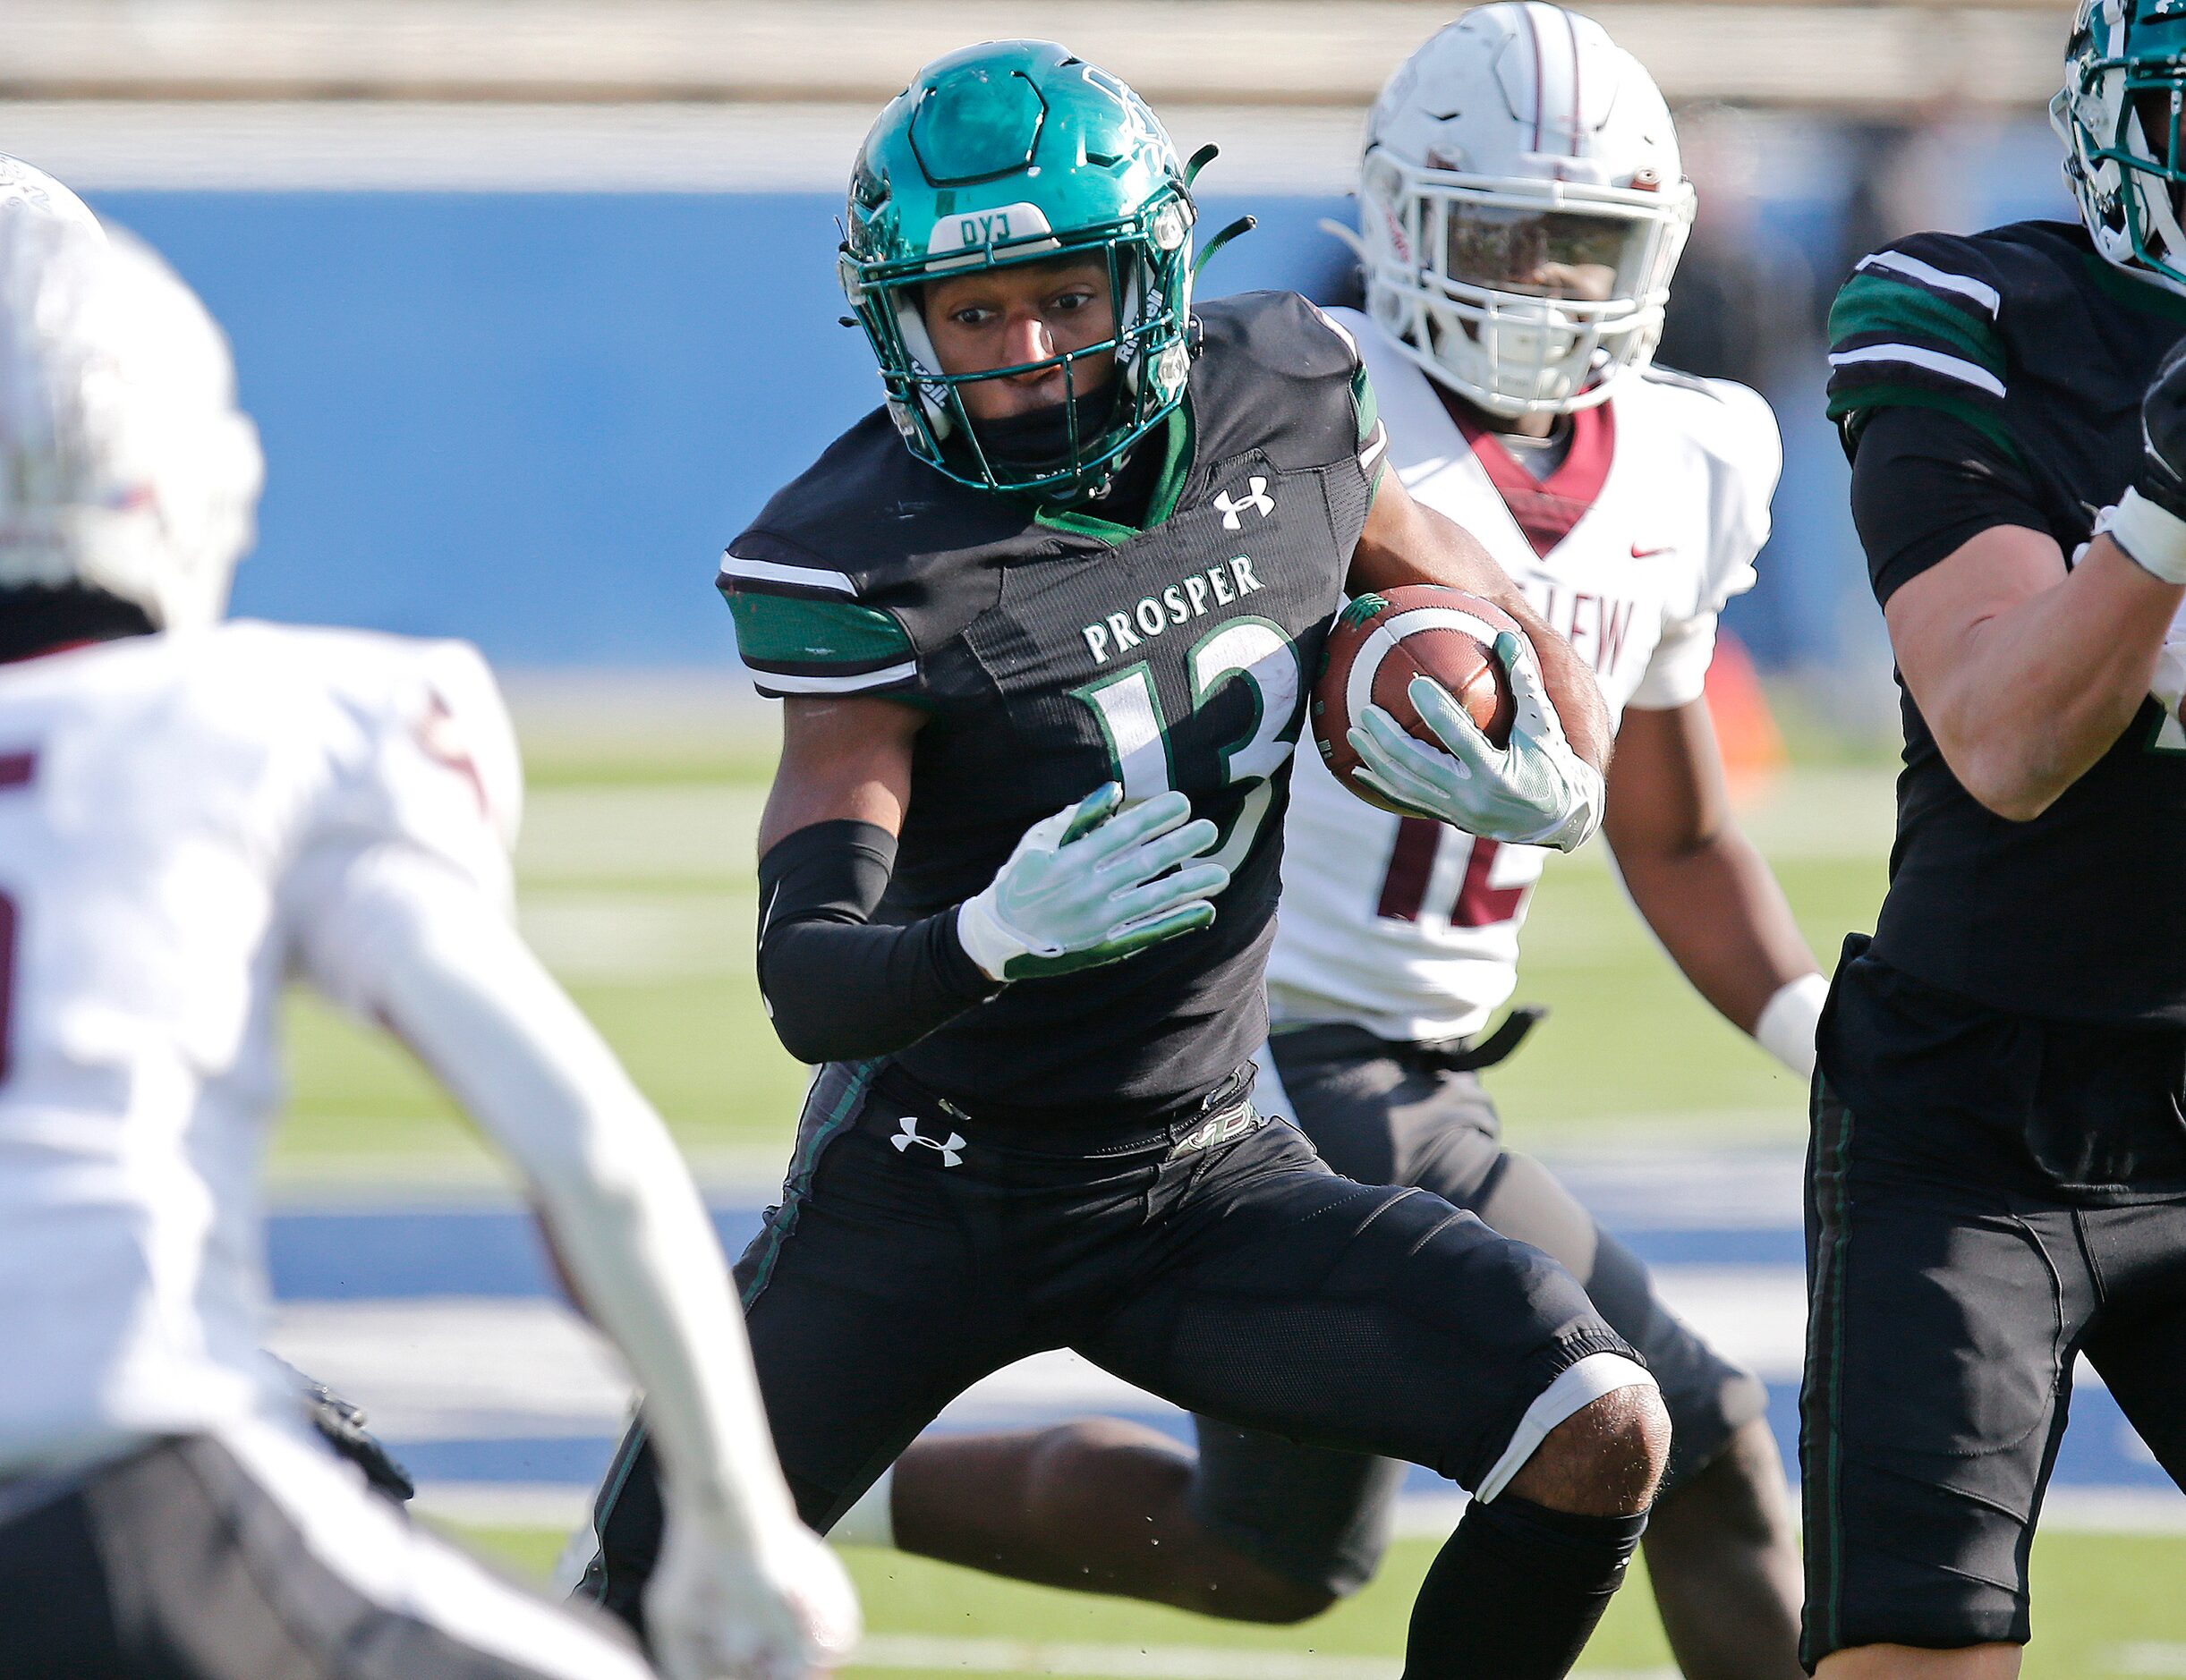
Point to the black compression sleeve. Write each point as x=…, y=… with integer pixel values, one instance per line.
x=836, y=985
x=1924, y=484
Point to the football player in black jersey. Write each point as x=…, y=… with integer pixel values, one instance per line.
x=1045, y=624
x=1997, y=1184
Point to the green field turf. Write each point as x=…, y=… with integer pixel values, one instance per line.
x=2099, y=1613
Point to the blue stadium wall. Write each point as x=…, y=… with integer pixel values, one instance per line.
x=534, y=419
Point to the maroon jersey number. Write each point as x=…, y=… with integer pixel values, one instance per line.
x=1411, y=861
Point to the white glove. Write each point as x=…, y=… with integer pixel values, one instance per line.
x=1534, y=792
x=717, y=1610
x=1087, y=887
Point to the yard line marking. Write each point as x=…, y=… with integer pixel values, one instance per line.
x=2069, y=1510
x=1147, y=1662
x=2148, y=1657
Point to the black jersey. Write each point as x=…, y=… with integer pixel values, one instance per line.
x=1057, y=652
x=1996, y=379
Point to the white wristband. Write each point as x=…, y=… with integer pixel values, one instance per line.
x=2153, y=539
x=1787, y=1021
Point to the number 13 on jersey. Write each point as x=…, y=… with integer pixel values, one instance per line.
x=1140, y=745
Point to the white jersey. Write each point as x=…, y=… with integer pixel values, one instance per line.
x=1629, y=548
x=176, y=817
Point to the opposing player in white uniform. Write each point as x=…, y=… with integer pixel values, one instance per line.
x=1522, y=208
x=192, y=811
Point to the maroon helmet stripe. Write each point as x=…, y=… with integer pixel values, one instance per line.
x=1533, y=35
x=1571, y=23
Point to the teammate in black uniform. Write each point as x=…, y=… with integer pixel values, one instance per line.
x=1999, y=1168
x=1081, y=582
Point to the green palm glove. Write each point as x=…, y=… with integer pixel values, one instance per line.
x=1088, y=886
x=1534, y=792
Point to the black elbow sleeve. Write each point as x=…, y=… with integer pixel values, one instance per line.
x=836, y=985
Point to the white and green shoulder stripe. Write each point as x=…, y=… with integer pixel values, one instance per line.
x=764, y=574
x=802, y=630
x=1918, y=325
x=1960, y=289
x=1373, y=436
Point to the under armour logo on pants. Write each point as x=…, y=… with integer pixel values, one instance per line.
x=910, y=1135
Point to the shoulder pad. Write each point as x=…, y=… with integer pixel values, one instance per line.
x=867, y=504
x=1278, y=374
x=1736, y=449
x=1280, y=332
x=1926, y=322
x=856, y=565
x=1730, y=423
x=415, y=733
x=1678, y=380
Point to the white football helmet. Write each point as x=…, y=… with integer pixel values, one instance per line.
x=124, y=463
x=1521, y=208
x=31, y=190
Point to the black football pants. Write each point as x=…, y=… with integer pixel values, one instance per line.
x=1214, y=1260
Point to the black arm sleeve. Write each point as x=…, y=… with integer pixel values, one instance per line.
x=837, y=987
x=1924, y=484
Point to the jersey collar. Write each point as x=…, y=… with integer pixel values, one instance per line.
x=2140, y=295
x=1547, y=509
x=1176, y=444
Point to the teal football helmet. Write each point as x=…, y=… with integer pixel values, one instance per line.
x=1019, y=152
x=2119, y=117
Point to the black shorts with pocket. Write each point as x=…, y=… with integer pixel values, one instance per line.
x=1989, y=1197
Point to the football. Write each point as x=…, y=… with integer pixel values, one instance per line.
x=1382, y=641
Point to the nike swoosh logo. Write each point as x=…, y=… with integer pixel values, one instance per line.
x=1643, y=554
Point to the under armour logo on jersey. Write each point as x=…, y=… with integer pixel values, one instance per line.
x=910, y=1135
x=1255, y=496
